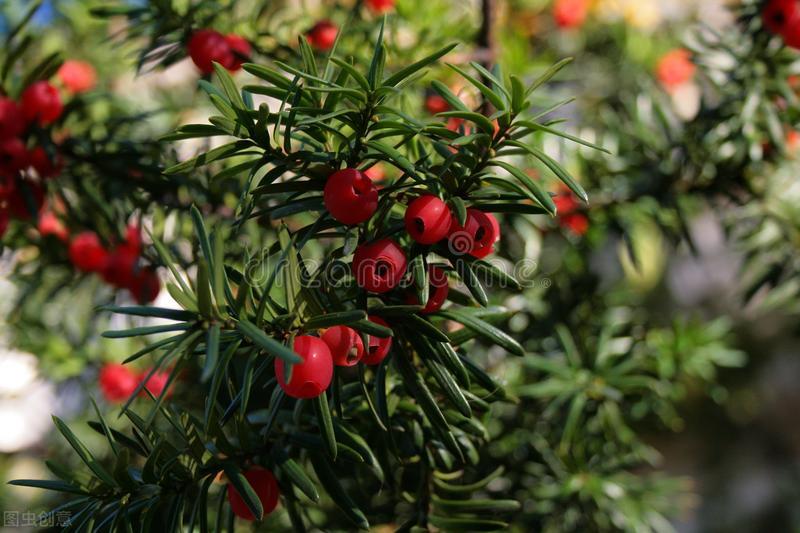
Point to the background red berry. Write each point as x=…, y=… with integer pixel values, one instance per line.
x=240, y=51
x=77, y=76
x=264, y=485
x=87, y=253
x=12, y=121
x=675, y=68
x=322, y=35
x=570, y=13
x=207, y=46
x=312, y=377
x=41, y=103
x=117, y=382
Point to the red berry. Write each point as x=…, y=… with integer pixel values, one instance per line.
x=378, y=346
x=428, y=219
x=121, y=267
x=43, y=164
x=675, y=68
x=477, y=237
x=439, y=288
x=77, y=76
x=266, y=488
x=117, y=382
x=13, y=156
x=380, y=6
x=49, y=224
x=782, y=17
x=145, y=286
x=240, y=51
x=87, y=252
x=41, y=103
x=345, y=344
x=12, y=121
x=207, y=46
x=436, y=104
x=156, y=383
x=350, y=196
x=565, y=202
x=577, y=223
x=570, y=13
x=379, y=266
x=133, y=238
x=322, y=35
x=311, y=377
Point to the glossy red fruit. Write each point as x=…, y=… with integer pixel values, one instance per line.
x=322, y=35
x=121, y=267
x=49, y=224
x=240, y=51
x=380, y=6
x=477, y=237
x=12, y=121
x=311, y=377
x=350, y=196
x=379, y=266
x=41, y=103
x=345, y=344
x=45, y=166
x=378, y=346
x=675, y=68
x=117, y=382
x=206, y=46
x=266, y=488
x=13, y=156
x=428, y=219
x=436, y=104
x=570, y=13
x=156, y=383
x=782, y=17
x=77, y=76
x=577, y=223
x=145, y=286
x=87, y=252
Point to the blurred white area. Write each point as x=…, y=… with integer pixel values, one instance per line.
x=26, y=401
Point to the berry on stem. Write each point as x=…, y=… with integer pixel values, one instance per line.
x=87, y=252
x=350, y=196
x=345, y=344
x=206, y=46
x=145, y=286
x=476, y=237
x=117, y=382
x=322, y=35
x=13, y=156
x=379, y=266
x=436, y=104
x=240, y=51
x=49, y=224
x=264, y=485
x=380, y=6
x=312, y=377
x=41, y=103
x=77, y=76
x=428, y=219
x=378, y=346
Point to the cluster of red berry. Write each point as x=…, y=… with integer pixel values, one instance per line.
x=24, y=169
x=208, y=46
x=118, y=382
x=120, y=266
x=782, y=17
